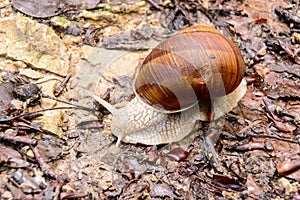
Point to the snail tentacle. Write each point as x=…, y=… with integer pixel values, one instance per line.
x=104, y=103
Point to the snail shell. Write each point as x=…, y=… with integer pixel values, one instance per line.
x=175, y=84
x=196, y=64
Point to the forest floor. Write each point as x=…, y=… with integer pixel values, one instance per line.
x=56, y=142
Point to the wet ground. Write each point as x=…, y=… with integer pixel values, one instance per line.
x=53, y=150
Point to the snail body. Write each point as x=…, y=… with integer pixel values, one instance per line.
x=175, y=85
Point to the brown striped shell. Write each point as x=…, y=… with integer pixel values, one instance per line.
x=198, y=63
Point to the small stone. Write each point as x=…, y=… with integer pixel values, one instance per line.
x=6, y=195
x=288, y=187
x=67, y=188
x=61, y=22
x=52, y=122
x=80, y=176
x=10, y=67
x=30, y=153
x=31, y=73
x=9, y=131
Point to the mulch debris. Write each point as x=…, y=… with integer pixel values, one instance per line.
x=254, y=155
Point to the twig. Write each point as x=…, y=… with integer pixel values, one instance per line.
x=154, y=4
x=50, y=79
x=114, y=167
x=25, y=126
x=7, y=119
x=212, y=155
x=63, y=101
x=4, y=6
x=273, y=137
x=62, y=86
x=296, y=8
x=17, y=139
x=43, y=165
x=243, y=130
x=57, y=191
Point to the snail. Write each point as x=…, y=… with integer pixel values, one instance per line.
x=185, y=77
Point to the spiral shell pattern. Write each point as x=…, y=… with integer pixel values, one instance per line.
x=198, y=63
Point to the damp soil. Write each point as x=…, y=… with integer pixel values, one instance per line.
x=56, y=142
